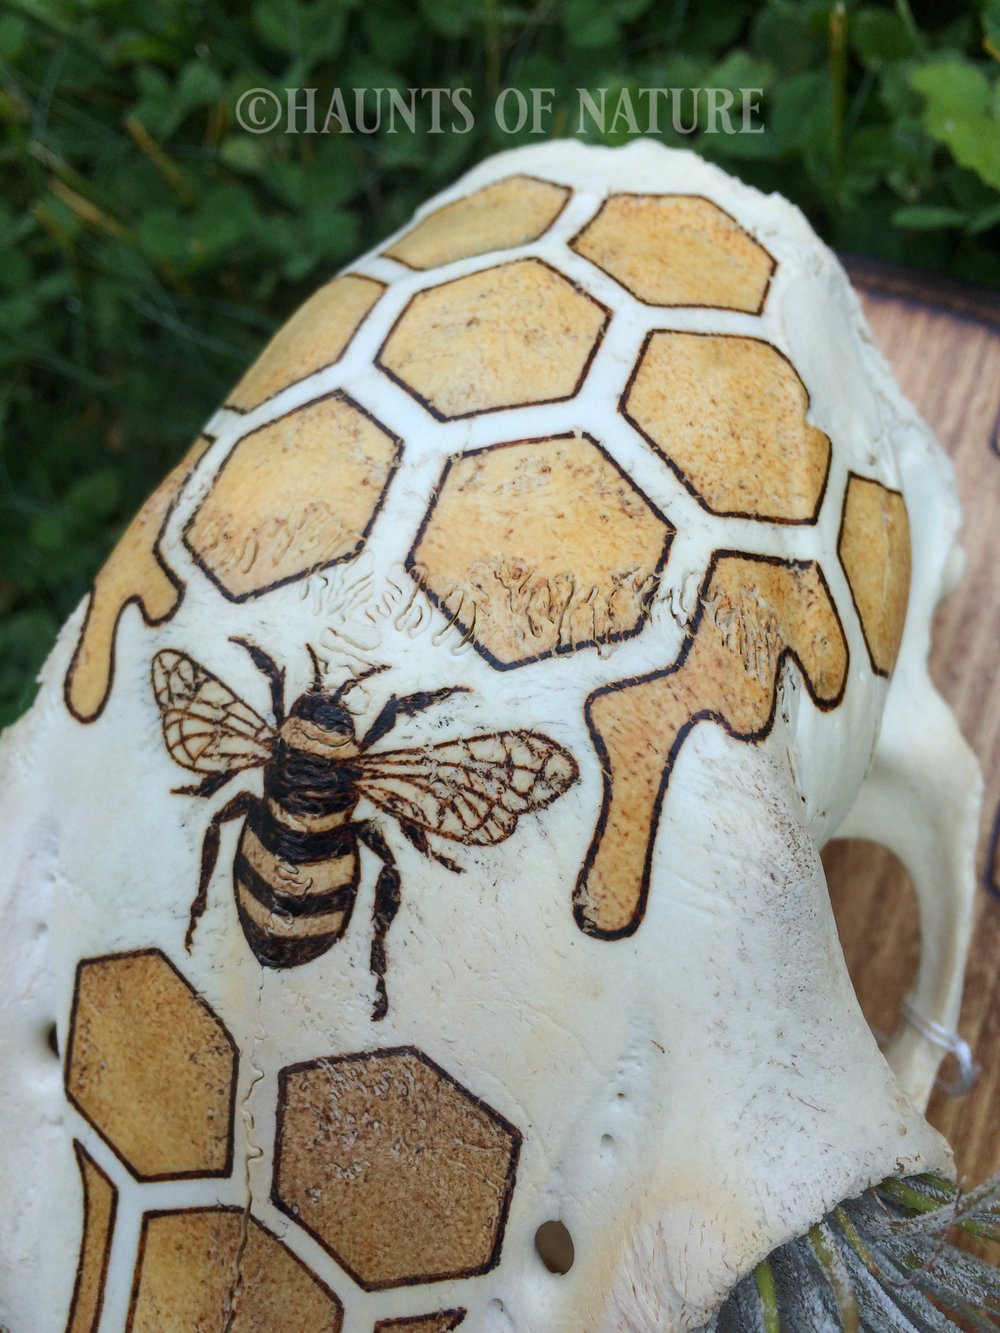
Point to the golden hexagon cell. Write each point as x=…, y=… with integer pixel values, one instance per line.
x=874, y=548
x=755, y=612
x=728, y=414
x=316, y=336
x=151, y=1067
x=100, y=1203
x=135, y=571
x=444, y=1321
x=220, y=1271
x=511, y=335
x=539, y=547
x=511, y=212
x=677, y=250
x=397, y=1170
x=294, y=496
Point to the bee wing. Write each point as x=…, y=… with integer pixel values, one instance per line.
x=472, y=790
x=207, y=728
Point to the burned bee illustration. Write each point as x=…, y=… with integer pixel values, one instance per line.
x=297, y=864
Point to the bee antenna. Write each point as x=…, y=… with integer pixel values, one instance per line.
x=351, y=681
x=317, y=680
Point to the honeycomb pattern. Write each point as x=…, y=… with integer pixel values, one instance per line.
x=442, y=1322
x=100, y=1203
x=316, y=336
x=677, y=250
x=220, y=1269
x=151, y=1067
x=134, y=572
x=754, y=612
x=509, y=336
x=293, y=497
x=729, y=416
x=399, y=1172
x=874, y=549
x=511, y=212
x=507, y=523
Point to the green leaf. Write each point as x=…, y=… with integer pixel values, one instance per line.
x=961, y=113
x=448, y=17
x=96, y=496
x=590, y=23
x=927, y=217
x=876, y=35
x=801, y=110
x=991, y=27
x=13, y=34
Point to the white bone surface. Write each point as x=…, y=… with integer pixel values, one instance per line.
x=689, y=1097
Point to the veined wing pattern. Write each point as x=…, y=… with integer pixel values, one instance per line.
x=207, y=728
x=472, y=790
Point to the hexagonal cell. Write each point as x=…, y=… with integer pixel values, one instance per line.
x=444, y=1321
x=218, y=1268
x=510, y=212
x=293, y=497
x=539, y=547
x=314, y=337
x=728, y=414
x=399, y=1172
x=677, y=249
x=100, y=1203
x=135, y=571
x=151, y=1067
x=874, y=549
x=512, y=335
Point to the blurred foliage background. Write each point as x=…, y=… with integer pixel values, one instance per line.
x=153, y=244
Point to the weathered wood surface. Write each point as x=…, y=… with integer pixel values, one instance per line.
x=946, y=354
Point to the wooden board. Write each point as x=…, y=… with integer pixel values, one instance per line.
x=944, y=345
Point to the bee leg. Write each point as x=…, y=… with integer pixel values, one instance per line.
x=407, y=706
x=275, y=677
x=207, y=787
x=387, y=899
x=415, y=834
x=238, y=808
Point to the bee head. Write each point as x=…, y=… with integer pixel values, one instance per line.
x=325, y=711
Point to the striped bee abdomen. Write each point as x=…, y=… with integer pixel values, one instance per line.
x=296, y=878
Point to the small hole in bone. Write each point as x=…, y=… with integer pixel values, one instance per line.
x=52, y=1039
x=555, y=1246
x=877, y=919
x=607, y=1141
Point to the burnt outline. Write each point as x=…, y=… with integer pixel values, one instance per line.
x=887, y=490
x=679, y=473
x=457, y=1316
x=245, y=411
x=82, y=1157
x=514, y=1137
x=703, y=715
x=991, y=876
x=500, y=407
x=567, y=192
x=334, y=844
x=411, y=564
x=250, y=1219
x=692, y=305
x=136, y=598
x=219, y=1173
x=393, y=465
